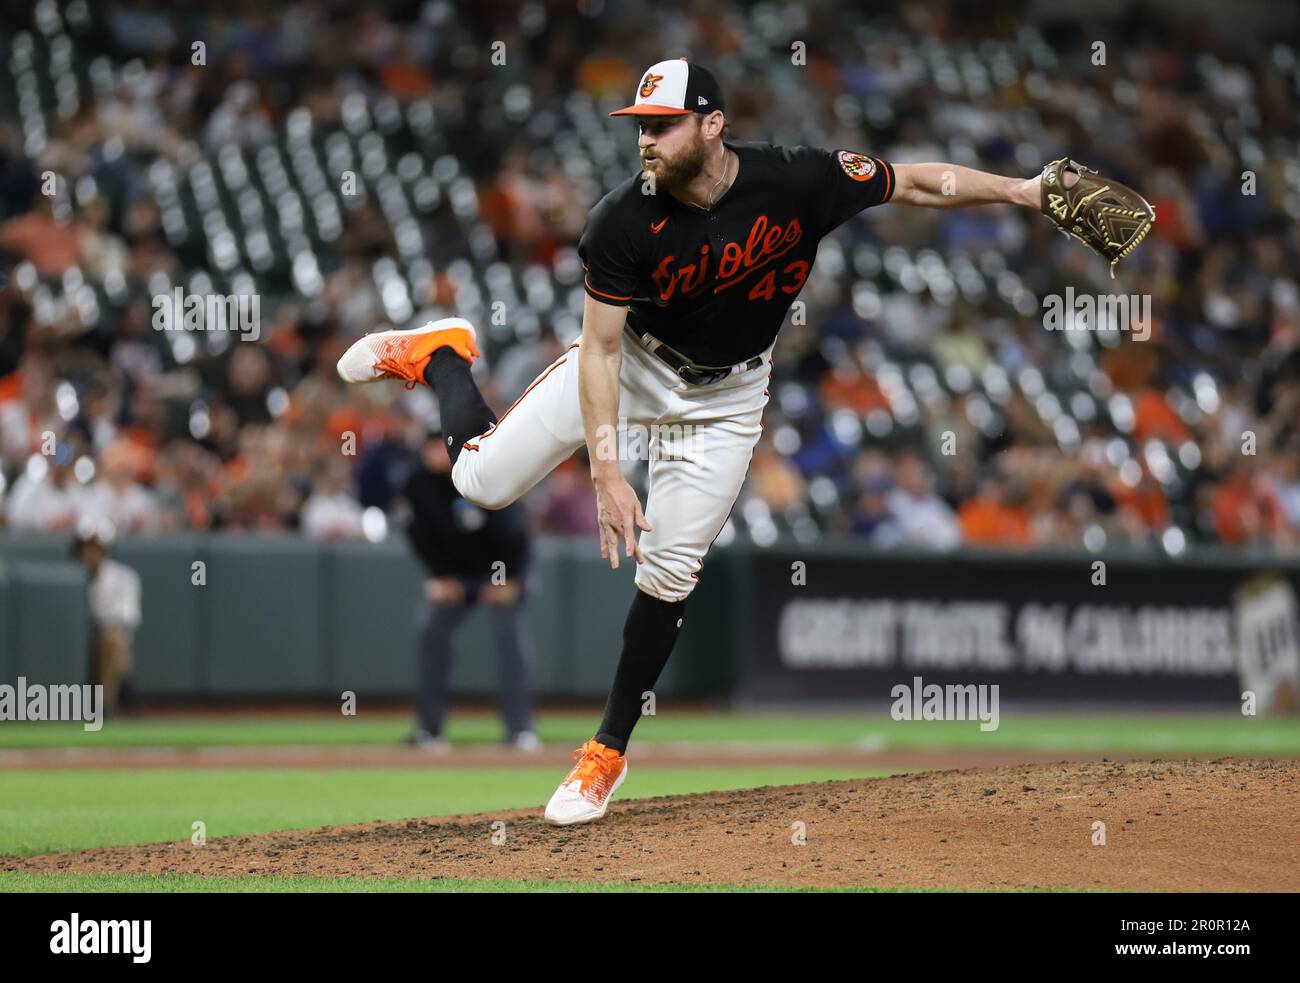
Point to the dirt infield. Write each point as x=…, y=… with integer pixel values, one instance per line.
x=1223, y=825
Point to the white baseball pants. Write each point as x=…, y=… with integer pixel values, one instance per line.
x=698, y=441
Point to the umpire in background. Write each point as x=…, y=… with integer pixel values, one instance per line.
x=115, y=615
x=473, y=556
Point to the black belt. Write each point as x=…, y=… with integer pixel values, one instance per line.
x=688, y=371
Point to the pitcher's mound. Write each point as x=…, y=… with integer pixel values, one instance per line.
x=1224, y=825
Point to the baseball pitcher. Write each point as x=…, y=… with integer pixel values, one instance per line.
x=691, y=267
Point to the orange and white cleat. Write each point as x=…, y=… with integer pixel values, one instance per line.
x=405, y=354
x=584, y=794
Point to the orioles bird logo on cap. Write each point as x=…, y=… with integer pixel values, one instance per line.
x=649, y=84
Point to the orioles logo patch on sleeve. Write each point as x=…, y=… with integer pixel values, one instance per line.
x=860, y=167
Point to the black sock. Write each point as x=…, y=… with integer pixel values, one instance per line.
x=460, y=405
x=648, y=637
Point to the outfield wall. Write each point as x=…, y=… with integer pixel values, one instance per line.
x=281, y=617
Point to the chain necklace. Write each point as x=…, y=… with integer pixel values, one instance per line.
x=713, y=194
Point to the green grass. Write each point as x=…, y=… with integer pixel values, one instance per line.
x=76, y=809
x=22, y=881
x=1224, y=733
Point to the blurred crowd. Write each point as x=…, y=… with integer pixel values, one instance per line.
x=905, y=411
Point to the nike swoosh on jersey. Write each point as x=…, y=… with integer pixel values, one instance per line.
x=655, y=227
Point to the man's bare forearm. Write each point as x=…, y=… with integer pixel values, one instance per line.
x=600, y=358
x=598, y=393
x=954, y=186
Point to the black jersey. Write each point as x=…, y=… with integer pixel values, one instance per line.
x=716, y=284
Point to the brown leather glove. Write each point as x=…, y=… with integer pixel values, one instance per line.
x=1106, y=216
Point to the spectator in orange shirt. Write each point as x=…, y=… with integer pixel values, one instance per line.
x=1246, y=510
x=1130, y=366
x=50, y=245
x=1144, y=506
x=992, y=518
x=1155, y=419
x=775, y=479
x=405, y=76
x=849, y=387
